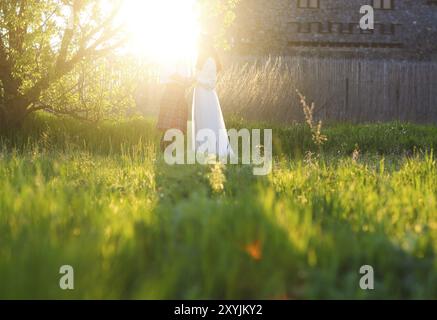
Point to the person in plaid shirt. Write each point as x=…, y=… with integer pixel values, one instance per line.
x=173, y=112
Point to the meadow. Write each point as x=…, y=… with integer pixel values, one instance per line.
x=100, y=198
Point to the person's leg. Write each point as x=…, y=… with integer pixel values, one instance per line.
x=173, y=113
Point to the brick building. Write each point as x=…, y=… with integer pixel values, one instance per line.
x=403, y=28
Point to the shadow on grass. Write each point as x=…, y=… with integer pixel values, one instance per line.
x=250, y=243
x=243, y=242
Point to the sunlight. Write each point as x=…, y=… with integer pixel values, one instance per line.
x=162, y=30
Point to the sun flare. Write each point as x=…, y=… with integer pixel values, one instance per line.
x=162, y=30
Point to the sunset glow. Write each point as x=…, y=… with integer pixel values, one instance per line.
x=162, y=30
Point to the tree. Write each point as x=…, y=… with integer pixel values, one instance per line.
x=96, y=90
x=42, y=41
x=51, y=50
x=216, y=17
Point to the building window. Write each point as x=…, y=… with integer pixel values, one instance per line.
x=304, y=27
x=341, y=27
x=347, y=28
x=383, y=4
x=308, y=4
x=324, y=27
x=345, y=44
x=336, y=27
x=387, y=29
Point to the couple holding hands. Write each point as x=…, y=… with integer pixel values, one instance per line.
x=206, y=110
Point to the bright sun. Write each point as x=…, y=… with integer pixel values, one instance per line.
x=162, y=30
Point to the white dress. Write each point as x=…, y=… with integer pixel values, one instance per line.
x=207, y=115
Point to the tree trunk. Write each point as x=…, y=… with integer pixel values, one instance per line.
x=13, y=115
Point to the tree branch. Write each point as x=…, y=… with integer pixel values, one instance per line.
x=63, y=66
x=74, y=113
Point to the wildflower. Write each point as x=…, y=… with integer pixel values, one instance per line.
x=254, y=250
x=217, y=178
x=316, y=129
x=356, y=154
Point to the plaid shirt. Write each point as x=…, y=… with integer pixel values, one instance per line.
x=173, y=113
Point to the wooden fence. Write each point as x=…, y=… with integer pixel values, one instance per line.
x=342, y=89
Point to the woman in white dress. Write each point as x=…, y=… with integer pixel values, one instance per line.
x=209, y=130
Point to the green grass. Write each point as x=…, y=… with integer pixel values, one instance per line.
x=101, y=199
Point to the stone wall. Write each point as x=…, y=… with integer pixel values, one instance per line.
x=280, y=27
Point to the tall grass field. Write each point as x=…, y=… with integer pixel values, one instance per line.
x=101, y=199
x=344, y=90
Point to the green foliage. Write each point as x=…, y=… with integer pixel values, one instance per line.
x=95, y=90
x=99, y=197
x=45, y=47
x=51, y=57
x=216, y=16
